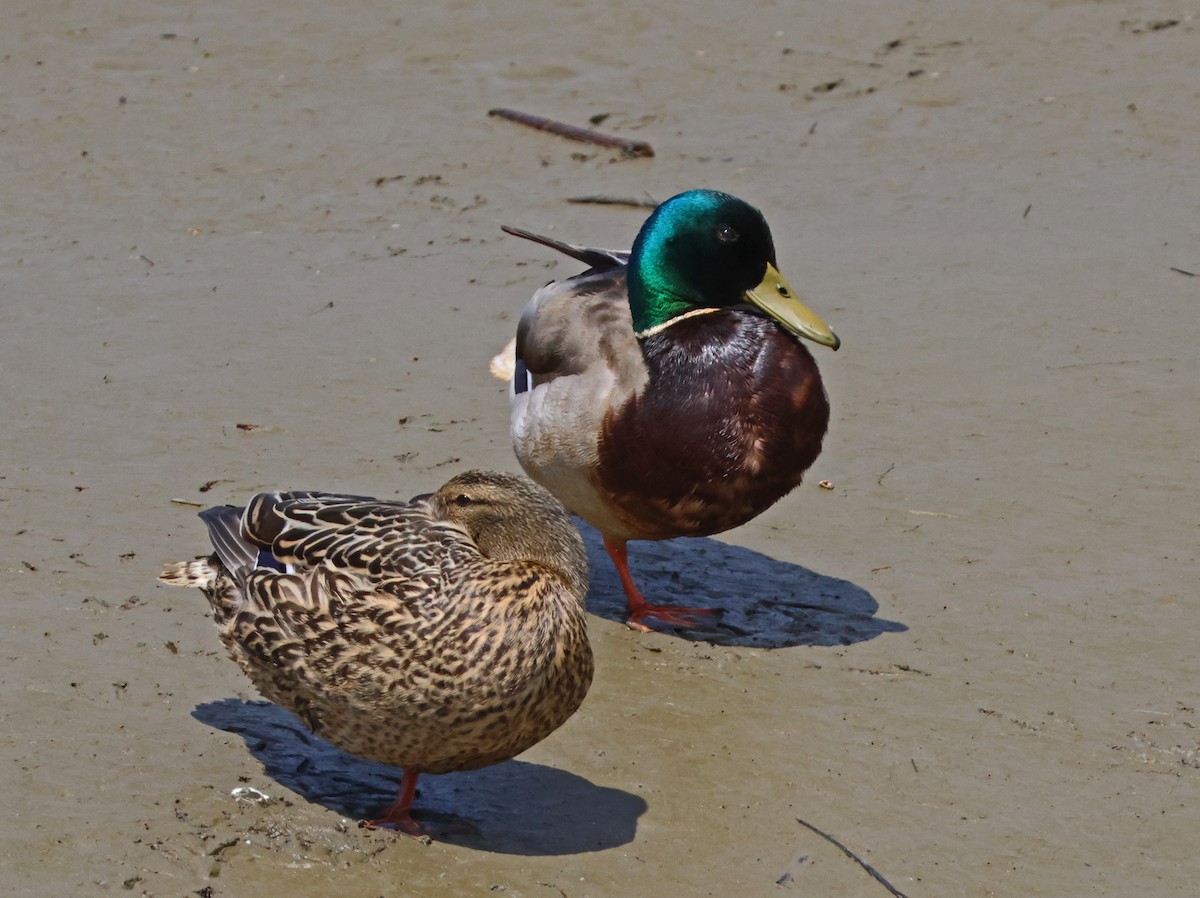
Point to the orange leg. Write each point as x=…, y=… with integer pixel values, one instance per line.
x=639, y=608
x=397, y=815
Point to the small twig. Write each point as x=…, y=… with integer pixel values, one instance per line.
x=228, y=843
x=187, y=503
x=1025, y=214
x=854, y=857
x=1190, y=274
x=586, y=135
x=604, y=200
x=891, y=468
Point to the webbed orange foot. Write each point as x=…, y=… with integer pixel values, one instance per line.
x=644, y=616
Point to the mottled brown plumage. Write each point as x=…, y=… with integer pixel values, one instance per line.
x=445, y=633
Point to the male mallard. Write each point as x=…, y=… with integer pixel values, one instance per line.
x=664, y=392
x=445, y=633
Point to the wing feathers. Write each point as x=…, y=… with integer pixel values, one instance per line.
x=238, y=555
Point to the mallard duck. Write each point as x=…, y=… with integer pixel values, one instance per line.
x=440, y=634
x=664, y=392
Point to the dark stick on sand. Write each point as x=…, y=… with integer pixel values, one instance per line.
x=631, y=147
x=605, y=200
x=854, y=857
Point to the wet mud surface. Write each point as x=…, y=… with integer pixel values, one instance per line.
x=256, y=245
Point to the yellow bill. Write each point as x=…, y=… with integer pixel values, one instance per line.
x=775, y=297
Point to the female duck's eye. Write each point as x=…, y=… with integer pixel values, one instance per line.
x=726, y=234
x=462, y=500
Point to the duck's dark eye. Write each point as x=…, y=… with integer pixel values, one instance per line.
x=460, y=499
x=726, y=234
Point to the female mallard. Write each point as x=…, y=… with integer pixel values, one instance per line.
x=664, y=392
x=445, y=633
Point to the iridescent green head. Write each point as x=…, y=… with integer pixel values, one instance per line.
x=708, y=250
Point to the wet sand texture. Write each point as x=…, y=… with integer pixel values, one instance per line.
x=973, y=661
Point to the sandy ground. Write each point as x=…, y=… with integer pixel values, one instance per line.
x=973, y=661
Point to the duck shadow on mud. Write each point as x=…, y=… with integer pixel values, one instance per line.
x=761, y=602
x=516, y=807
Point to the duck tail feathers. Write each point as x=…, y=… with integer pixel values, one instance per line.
x=597, y=259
